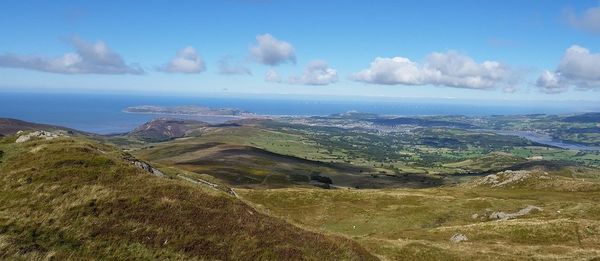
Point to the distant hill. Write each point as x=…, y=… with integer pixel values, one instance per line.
x=187, y=110
x=349, y=115
x=163, y=129
x=10, y=126
x=73, y=198
x=593, y=117
x=420, y=122
x=563, y=180
x=254, y=121
x=247, y=166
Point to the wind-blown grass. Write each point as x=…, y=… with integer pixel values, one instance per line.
x=77, y=199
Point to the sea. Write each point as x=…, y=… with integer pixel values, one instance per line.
x=103, y=113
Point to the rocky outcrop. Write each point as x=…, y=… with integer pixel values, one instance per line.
x=510, y=177
x=538, y=179
x=145, y=166
x=457, y=238
x=499, y=215
x=46, y=135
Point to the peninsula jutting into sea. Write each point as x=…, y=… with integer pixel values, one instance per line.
x=300, y=130
x=188, y=110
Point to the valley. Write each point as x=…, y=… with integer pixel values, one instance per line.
x=424, y=188
x=300, y=130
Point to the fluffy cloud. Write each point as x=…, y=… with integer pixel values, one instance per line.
x=187, y=61
x=581, y=66
x=551, y=82
x=272, y=76
x=443, y=69
x=88, y=58
x=578, y=67
x=390, y=71
x=589, y=20
x=317, y=73
x=228, y=67
x=270, y=51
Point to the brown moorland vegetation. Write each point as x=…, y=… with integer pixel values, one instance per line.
x=72, y=198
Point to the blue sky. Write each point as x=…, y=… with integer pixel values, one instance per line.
x=541, y=50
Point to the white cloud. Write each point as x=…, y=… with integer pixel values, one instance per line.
x=578, y=67
x=581, y=66
x=88, y=58
x=187, y=61
x=589, y=20
x=270, y=51
x=228, y=67
x=450, y=69
x=550, y=82
x=456, y=70
x=390, y=71
x=272, y=76
x=317, y=73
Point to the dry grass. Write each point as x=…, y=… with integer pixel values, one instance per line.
x=76, y=199
x=416, y=224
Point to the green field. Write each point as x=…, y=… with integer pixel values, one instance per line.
x=396, y=223
x=402, y=224
x=314, y=189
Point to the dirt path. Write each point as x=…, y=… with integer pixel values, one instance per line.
x=214, y=186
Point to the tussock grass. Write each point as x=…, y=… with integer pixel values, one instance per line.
x=78, y=199
x=416, y=224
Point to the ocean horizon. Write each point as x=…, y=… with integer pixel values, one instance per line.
x=103, y=113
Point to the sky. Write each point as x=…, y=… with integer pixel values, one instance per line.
x=500, y=50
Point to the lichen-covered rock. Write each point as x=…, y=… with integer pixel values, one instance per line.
x=457, y=238
x=145, y=166
x=510, y=177
x=499, y=215
x=38, y=135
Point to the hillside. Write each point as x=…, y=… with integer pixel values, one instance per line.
x=10, y=126
x=593, y=117
x=231, y=191
x=163, y=129
x=448, y=223
x=541, y=180
x=231, y=155
x=73, y=198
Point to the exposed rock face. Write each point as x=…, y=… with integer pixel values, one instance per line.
x=510, y=177
x=506, y=216
x=145, y=166
x=457, y=238
x=37, y=134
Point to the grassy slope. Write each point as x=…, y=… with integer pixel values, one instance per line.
x=417, y=224
x=451, y=151
x=10, y=126
x=77, y=199
x=263, y=158
x=408, y=224
x=247, y=166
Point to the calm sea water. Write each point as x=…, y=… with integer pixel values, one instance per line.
x=104, y=113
